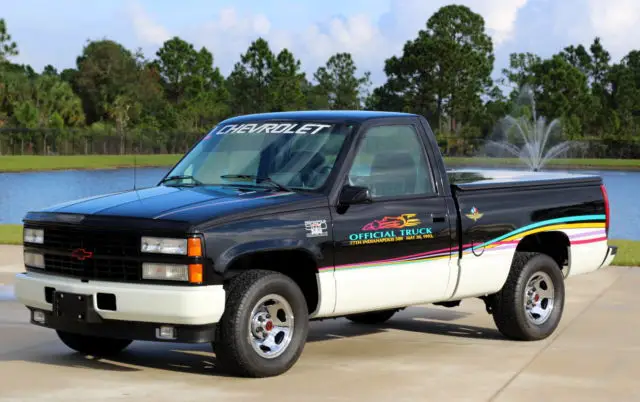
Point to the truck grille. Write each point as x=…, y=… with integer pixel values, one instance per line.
x=105, y=269
x=115, y=243
x=113, y=254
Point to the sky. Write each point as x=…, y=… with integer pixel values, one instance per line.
x=54, y=32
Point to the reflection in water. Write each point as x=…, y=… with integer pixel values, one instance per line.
x=22, y=192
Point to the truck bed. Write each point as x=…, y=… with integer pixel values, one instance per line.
x=480, y=179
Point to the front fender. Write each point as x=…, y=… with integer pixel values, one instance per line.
x=229, y=256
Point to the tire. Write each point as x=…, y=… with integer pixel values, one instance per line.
x=372, y=317
x=240, y=346
x=509, y=306
x=93, y=345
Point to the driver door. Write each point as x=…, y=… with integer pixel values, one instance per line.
x=395, y=251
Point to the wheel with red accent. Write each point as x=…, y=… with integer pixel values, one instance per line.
x=530, y=304
x=264, y=327
x=372, y=317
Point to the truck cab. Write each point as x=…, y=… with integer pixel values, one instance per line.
x=273, y=220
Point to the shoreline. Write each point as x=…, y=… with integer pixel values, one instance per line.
x=39, y=164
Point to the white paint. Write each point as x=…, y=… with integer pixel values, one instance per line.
x=586, y=258
x=392, y=285
x=326, y=294
x=484, y=274
x=136, y=302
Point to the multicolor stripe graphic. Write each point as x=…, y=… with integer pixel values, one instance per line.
x=583, y=229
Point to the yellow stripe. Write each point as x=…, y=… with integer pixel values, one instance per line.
x=555, y=228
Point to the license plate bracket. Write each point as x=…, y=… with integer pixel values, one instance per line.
x=74, y=307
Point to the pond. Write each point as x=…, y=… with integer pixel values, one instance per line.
x=22, y=192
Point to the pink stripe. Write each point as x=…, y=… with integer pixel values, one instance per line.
x=590, y=240
x=592, y=233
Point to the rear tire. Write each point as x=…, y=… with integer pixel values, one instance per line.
x=93, y=345
x=372, y=317
x=530, y=304
x=264, y=327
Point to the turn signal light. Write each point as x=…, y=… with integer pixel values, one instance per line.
x=195, y=273
x=194, y=247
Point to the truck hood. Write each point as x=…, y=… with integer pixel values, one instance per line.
x=185, y=204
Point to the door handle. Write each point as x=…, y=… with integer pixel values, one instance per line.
x=438, y=218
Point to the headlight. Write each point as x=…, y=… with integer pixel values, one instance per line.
x=191, y=247
x=164, y=246
x=33, y=236
x=165, y=272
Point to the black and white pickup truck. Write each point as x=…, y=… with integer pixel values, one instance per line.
x=273, y=220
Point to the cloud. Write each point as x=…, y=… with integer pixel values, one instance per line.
x=147, y=31
x=617, y=22
x=370, y=40
x=406, y=17
x=542, y=26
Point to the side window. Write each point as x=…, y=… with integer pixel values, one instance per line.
x=391, y=162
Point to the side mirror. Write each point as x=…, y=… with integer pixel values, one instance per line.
x=355, y=195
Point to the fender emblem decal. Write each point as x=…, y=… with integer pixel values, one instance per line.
x=474, y=214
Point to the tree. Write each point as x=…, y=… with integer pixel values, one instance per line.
x=579, y=58
x=8, y=48
x=49, y=70
x=446, y=69
x=287, y=83
x=250, y=81
x=624, y=81
x=193, y=87
x=338, y=86
x=519, y=73
x=106, y=71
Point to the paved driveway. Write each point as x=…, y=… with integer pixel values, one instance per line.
x=423, y=353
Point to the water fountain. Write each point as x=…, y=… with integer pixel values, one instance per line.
x=529, y=137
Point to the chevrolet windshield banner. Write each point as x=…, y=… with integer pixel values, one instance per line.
x=273, y=128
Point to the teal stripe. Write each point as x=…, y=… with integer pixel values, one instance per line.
x=544, y=223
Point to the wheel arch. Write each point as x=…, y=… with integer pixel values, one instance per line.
x=300, y=264
x=555, y=244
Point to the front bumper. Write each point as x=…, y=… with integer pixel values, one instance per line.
x=124, y=310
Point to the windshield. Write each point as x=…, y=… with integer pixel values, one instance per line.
x=294, y=155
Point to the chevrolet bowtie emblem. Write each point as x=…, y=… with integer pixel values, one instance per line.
x=81, y=254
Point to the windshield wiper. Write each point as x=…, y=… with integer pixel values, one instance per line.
x=182, y=177
x=260, y=180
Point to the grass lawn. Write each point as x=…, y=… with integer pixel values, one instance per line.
x=10, y=234
x=36, y=163
x=628, y=250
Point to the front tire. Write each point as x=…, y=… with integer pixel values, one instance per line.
x=264, y=327
x=530, y=304
x=93, y=345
